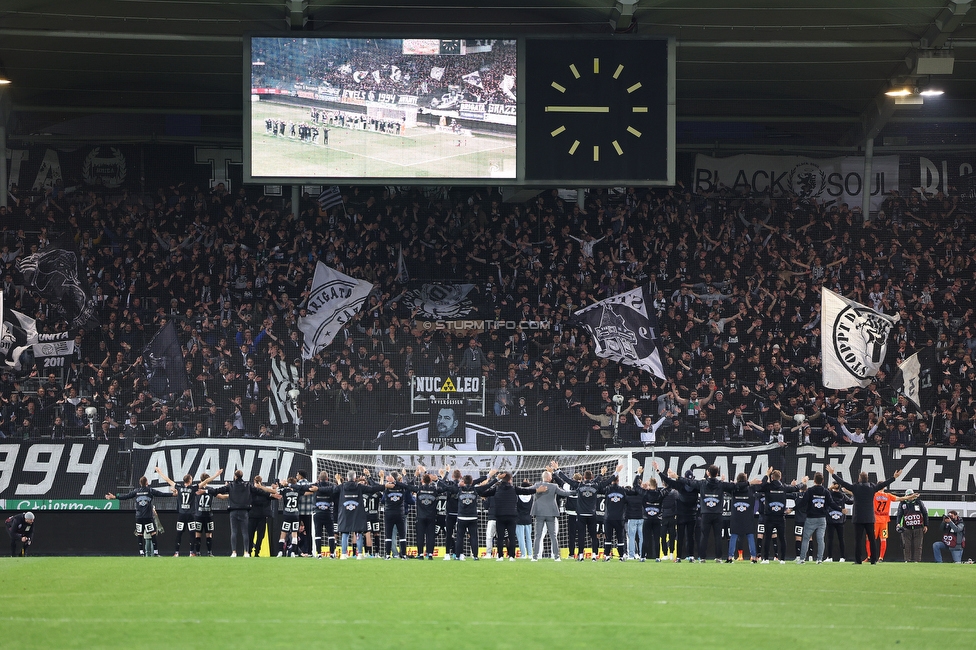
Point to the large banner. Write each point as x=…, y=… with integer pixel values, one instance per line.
x=270, y=459
x=932, y=471
x=76, y=475
x=40, y=169
x=35, y=472
x=939, y=172
x=826, y=180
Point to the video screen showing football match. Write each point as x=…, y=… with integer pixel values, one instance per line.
x=328, y=108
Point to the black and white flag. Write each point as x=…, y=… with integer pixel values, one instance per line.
x=283, y=406
x=442, y=301
x=58, y=274
x=473, y=78
x=403, y=275
x=854, y=341
x=917, y=378
x=163, y=361
x=335, y=298
x=624, y=328
x=330, y=197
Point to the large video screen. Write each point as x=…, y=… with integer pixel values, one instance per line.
x=332, y=109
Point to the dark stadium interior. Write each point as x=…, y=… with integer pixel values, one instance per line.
x=125, y=123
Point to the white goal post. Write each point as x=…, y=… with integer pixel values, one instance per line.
x=527, y=465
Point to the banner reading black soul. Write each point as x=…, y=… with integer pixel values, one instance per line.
x=930, y=470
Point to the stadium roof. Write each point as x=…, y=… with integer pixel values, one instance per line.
x=751, y=74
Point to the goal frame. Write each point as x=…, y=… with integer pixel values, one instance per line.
x=477, y=463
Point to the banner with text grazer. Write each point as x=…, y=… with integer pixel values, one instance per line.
x=837, y=180
x=56, y=470
x=270, y=459
x=932, y=471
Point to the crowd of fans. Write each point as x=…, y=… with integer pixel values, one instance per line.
x=736, y=278
x=317, y=62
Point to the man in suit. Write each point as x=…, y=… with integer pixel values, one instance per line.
x=544, y=511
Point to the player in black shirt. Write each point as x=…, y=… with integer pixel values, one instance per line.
x=394, y=498
x=186, y=500
x=324, y=521
x=468, y=494
x=774, y=492
x=616, y=505
x=289, y=494
x=258, y=516
x=587, y=494
x=429, y=497
x=836, y=518
x=451, y=512
x=651, y=506
x=20, y=527
x=145, y=523
x=203, y=518
x=372, y=505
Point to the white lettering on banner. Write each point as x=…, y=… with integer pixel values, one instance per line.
x=49, y=467
x=8, y=461
x=931, y=470
x=157, y=459
x=502, y=109
x=16, y=157
x=236, y=462
x=844, y=462
x=252, y=458
x=447, y=385
x=267, y=458
x=909, y=457
x=91, y=470
x=741, y=464
x=753, y=466
x=287, y=458
x=696, y=464
x=871, y=462
x=209, y=462
x=49, y=174
x=967, y=470
x=839, y=179
x=934, y=470
x=183, y=468
x=935, y=177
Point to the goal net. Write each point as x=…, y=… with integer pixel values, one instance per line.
x=523, y=465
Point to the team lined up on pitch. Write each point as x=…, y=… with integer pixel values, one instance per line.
x=643, y=520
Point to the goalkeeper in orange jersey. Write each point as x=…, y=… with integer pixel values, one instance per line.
x=882, y=512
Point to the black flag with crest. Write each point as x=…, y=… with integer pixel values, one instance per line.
x=163, y=360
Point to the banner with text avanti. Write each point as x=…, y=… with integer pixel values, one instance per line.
x=270, y=459
x=825, y=180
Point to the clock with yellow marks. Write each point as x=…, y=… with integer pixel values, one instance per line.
x=596, y=110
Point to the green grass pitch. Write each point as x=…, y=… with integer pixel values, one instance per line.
x=423, y=153
x=297, y=602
